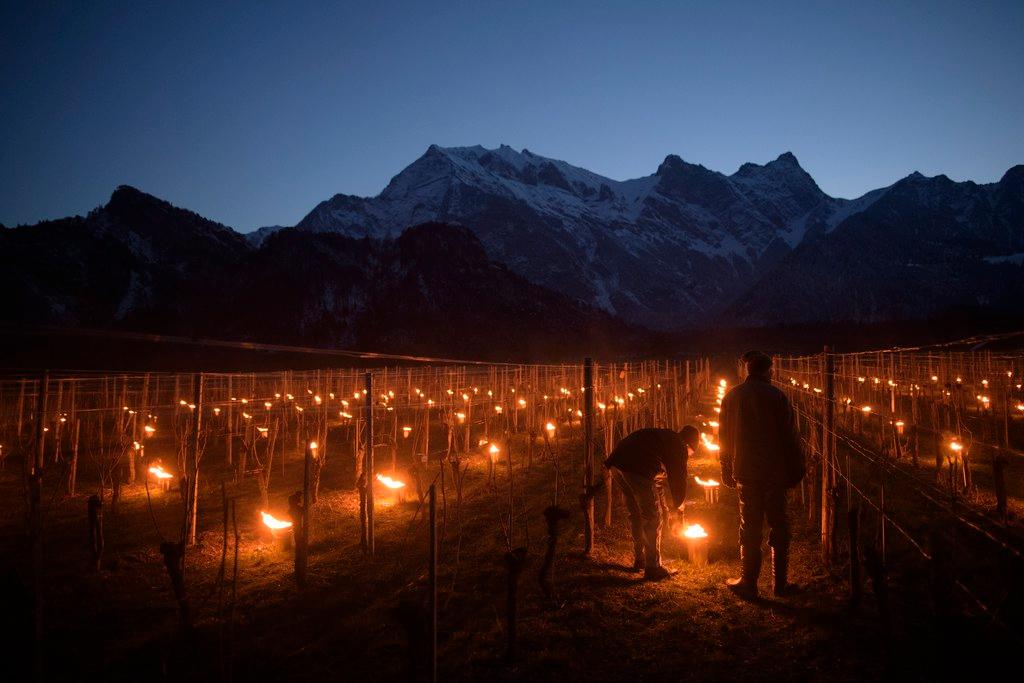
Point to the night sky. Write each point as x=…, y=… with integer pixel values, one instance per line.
x=250, y=114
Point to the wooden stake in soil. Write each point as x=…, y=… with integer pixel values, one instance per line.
x=515, y=562
x=588, y=454
x=36, y=521
x=554, y=516
x=368, y=471
x=302, y=542
x=192, y=498
x=827, y=462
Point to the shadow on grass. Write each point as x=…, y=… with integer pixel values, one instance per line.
x=608, y=581
x=615, y=566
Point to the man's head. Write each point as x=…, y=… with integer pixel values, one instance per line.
x=691, y=437
x=757, y=363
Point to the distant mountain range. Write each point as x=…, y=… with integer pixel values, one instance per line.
x=691, y=247
x=140, y=264
x=473, y=250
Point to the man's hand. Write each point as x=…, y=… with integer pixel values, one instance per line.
x=679, y=514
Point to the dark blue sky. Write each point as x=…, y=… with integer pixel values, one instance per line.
x=251, y=114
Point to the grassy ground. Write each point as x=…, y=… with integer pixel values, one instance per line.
x=602, y=622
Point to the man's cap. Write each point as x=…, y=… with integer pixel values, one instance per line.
x=757, y=362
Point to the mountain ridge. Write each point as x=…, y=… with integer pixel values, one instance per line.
x=682, y=248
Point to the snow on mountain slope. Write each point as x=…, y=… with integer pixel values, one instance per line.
x=663, y=250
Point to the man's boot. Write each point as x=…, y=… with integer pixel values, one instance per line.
x=746, y=585
x=780, y=571
x=658, y=573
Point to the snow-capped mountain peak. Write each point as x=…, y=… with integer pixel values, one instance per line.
x=664, y=249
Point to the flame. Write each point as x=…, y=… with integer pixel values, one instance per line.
x=550, y=427
x=706, y=482
x=389, y=482
x=160, y=473
x=708, y=443
x=273, y=522
x=865, y=409
x=695, y=531
x=494, y=450
x=149, y=429
x=956, y=446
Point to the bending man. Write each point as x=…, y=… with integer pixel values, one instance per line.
x=641, y=463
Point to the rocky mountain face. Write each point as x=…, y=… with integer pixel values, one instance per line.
x=687, y=246
x=924, y=246
x=139, y=263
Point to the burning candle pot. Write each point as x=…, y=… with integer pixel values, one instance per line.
x=711, y=488
x=163, y=477
x=282, y=530
x=391, y=490
x=696, y=544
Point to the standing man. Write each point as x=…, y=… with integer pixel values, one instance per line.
x=761, y=455
x=641, y=463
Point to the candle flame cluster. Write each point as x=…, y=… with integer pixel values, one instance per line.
x=695, y=531
x=708, y=443
x=274, y=523
x=389, y=482
x=160, y=473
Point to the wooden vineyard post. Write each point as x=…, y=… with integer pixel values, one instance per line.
x=368, y=467
x=827, y=501
x=192, y=498
x=588, y=455
x=36, y=522
x=302, y=543
x=73, y=466
x=433, y=580
x=229, y=432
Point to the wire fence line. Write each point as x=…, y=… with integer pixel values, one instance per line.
x=929, y=444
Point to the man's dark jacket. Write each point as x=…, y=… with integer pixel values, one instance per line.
x=757, y=435
x=648, y=452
